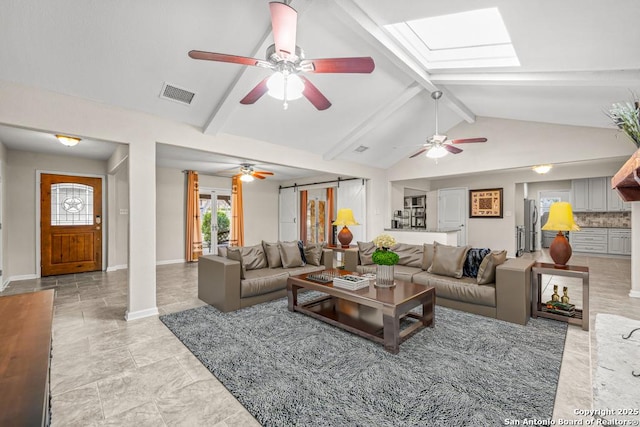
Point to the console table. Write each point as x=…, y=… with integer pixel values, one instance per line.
x=25, y=349
x=537, y=308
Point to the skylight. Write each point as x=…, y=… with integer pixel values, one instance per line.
x=476, y=38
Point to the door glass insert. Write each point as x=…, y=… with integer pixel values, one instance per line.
x=71, y=204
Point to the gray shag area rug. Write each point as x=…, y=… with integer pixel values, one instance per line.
x=288, y=369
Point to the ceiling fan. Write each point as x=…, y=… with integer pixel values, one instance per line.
x=288, y=62
x=247, y=174
x=438, y=146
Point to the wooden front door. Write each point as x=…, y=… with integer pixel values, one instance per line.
x=71, y=224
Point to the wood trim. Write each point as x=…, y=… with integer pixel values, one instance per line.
x=627, y=179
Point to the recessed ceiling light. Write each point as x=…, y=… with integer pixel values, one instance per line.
x=477, y=38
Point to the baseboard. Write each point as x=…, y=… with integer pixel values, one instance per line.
x=116, y=268
x=22, y=277
x=133, y=315
x=634, y=293
x=171, y=261
x=4, y=285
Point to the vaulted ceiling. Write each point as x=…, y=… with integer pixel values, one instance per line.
x=577, y=57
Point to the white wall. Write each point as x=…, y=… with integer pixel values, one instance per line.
x=121, y=221
x=3, y=216
x=20, y=219
x=260, y=200
x=170, y=214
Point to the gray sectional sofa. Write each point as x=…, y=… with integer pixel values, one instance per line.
x=501, y=288
x=250, y=275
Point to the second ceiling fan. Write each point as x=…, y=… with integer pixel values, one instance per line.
x=437, y=145
x=288, y=62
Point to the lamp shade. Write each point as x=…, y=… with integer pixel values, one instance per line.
x=561, y=218
x=345, y=217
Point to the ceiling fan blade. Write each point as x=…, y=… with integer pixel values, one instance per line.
x=418, y=153
x=339, y=65
x=314, y=95
x=263, y=172
x=257, y=176
x=256, y=93
x=222, y=57
x=452, y=149
x=284, y=21
x=466, y=140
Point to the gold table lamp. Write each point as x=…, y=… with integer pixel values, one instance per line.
x=560, y=219
x=345, y=217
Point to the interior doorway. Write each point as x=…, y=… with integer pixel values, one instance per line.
x=71, y=224
x=215, y=211
x=452, y=211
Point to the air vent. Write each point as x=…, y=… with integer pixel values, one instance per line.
x=177, y=94
x=361, y=149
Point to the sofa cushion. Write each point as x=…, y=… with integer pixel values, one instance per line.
x=448, y=260
x=294, y=271
x=473, y=261
x=427, y=259
x=235, y=254
x=222, y=251
x=253, y=257
x=487, y=270
x=290, y=254
x=464, y=289
x=263, y=281
x=313, y=253
x=369, y=268
x=400, y=272
x=273, y=254
x=410, y=255
x=366, y=250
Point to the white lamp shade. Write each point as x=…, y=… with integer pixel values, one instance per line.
x=276, y=85
x=246, y=178
x=437, y=152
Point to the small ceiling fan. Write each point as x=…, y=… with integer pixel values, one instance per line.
x=247, y=174
x=288, y=62
x=438, y=146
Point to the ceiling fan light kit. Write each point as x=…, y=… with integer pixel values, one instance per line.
x=248, y=174
x=287, y=61
x=246, y=178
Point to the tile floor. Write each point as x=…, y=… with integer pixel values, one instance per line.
x=106, y=371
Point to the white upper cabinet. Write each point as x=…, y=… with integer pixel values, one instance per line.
x=614, y=201
x=589, y=195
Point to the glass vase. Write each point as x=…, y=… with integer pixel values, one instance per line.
x=384, y=276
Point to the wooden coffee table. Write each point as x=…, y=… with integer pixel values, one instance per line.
x=373, y=313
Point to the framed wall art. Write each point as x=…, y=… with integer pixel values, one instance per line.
x=485, y=203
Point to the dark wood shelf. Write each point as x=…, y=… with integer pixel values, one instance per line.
x=627, y=179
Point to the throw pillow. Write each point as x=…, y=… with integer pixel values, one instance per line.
x=487, y=270
x=301, y=249
x=290, y=254
x=410, y=255
x=253, y=257
x=313, y=253
x=427, y=260
x=235, y=254
x=222, y=251
x=448, y=260
x=473, y=261
x=366, y=250
x=273, y=254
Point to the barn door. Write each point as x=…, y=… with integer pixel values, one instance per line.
x=70, y=224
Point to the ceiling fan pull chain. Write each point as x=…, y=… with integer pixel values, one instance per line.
x=285, y=105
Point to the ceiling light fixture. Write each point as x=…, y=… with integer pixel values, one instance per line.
x=69, y=141
x=437, y=152
x=245, y=177
x=285, y=86
x=542, y=169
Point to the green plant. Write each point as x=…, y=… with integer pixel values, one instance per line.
x=385, y=257
x=206, y=227
x=626, y=115
x=223, y=221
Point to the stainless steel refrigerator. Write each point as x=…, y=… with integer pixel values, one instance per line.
x=530, y=224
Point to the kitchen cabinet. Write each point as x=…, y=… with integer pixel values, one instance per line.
x=589, y=195
x=594, y=240
x=614, y=201
x=416, y=207
x=619, y=241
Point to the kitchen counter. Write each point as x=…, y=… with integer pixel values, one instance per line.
x=421, y=235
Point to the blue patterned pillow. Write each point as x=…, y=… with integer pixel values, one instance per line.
x=472, y=263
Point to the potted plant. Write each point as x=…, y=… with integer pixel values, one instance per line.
x=385, y=259
x=626, y=115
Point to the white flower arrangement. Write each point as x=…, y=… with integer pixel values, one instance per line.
x=384, y=241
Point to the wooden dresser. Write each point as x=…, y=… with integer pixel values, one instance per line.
x=25, y=350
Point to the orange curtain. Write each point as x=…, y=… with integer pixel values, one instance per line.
x=331, y=213
x=194, y=233
x=237, y=213
x=303, y=215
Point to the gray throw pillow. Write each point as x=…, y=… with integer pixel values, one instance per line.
x=235, y=254
x=448, y=260
x=313, y=253
x=253, y=257
x=427, y=260
x=410, y=255
x=222, y=251
x=366, y=250
x=290, y=254
x=487, y=270
x=273, y=254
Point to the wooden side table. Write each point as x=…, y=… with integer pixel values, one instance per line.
x=537, y=307
x=338, y=249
